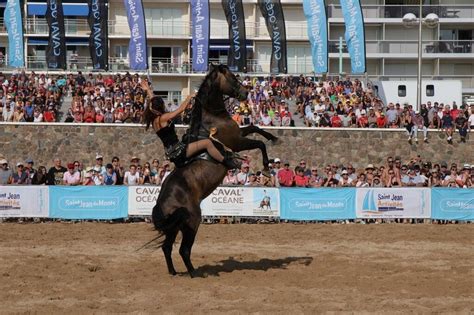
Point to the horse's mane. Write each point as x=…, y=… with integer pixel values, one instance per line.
x=201, y=98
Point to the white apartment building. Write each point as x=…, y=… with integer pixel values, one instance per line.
x=448, y=51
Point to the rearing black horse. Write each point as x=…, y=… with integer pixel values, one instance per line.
x=178, y=205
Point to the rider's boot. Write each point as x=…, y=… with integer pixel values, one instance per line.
x=230, y=161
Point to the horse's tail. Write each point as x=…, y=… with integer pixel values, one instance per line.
x=165, y=224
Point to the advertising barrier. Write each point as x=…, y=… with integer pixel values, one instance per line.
x=317, y=203
x=24, y=201
x=242, y=202
x=452, y=204
x=88, y=202
x=322, y=204
x=389, y=203
x=142, y=199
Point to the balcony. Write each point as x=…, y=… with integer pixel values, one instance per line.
x=398, y=11
x=39, y=26
x=390, y=47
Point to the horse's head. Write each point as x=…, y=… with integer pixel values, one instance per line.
x=227, y=82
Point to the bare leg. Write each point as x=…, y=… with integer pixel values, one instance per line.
x=201, y=145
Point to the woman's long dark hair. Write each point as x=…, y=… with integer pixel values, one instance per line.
x=155, y=107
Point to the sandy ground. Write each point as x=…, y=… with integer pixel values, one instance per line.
x=280, y=268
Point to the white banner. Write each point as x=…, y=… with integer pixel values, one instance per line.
x=142, y=199
x=24, y=201
x=393, y=203
x=242, y=202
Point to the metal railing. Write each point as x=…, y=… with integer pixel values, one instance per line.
x=398, y=11
x=183, y=67
x=410, y=46
x=294, y=30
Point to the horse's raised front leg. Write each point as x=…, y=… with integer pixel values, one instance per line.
x=250, y=144
x=245, y=131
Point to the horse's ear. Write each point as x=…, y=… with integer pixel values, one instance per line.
x=212, y=66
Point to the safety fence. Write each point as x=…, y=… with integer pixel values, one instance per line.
x=300, y=204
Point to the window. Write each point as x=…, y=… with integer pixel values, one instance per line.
x=402, y=90
x=430, y=90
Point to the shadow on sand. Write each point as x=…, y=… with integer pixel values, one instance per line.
x=231, y=265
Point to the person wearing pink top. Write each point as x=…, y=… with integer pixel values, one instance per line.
x=72, y=177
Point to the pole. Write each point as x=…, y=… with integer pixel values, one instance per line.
x=340, y=54
x=418, y=84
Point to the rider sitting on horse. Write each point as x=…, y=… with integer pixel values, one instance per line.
x=177, y=151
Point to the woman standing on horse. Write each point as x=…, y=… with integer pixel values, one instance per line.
x=162, y=122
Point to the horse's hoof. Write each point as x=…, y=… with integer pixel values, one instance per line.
x=172, y=272
x=266, y=173
x=275, y=140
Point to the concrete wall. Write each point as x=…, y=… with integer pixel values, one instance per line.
x=43, y=142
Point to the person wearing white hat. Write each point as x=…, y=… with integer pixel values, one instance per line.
x=99, y=160
x=5, y=173
x=19, y=177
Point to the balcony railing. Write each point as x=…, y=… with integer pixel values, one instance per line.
x=410, y=46
x=294, y=30
x=255, y=67
x=398, y=11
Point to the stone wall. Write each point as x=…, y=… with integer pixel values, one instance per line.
x=43, y=142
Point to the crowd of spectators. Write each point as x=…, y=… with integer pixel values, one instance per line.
x=335, y=102
x=106, y=99
x=393, y=173
x=30, y=98
x=342, y=102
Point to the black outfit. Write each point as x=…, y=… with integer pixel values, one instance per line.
x=55, y=176
x=175, y=149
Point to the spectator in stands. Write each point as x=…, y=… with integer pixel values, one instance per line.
x=118, y=170
x=243, y=175
x=19, y=177
x=230, y=178
x=315, y=180
x=286, y=175
x=418, y=123
x=462, y=125
x=412, y=179
x=72, y=177
x=110, y=177
x=88, y=181
x=40, y=176
x=5, y=173
x=132, y=177
x=29, y=170
x=300, y=179
x=56, y=173
x=362, y=181
x=447, y=124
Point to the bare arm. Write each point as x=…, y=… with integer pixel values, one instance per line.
x=169, y=116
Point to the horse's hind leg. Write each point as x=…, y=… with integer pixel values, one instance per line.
x=245, y=131
x=167, y=248
x=189, y=234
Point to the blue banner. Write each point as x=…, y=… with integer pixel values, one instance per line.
x=12, y=20
x=317, y=204
x=315, y=12
x=355, y=34
x=88, y=202
x=452, y=204
x=200, y=36
x=137, y=49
